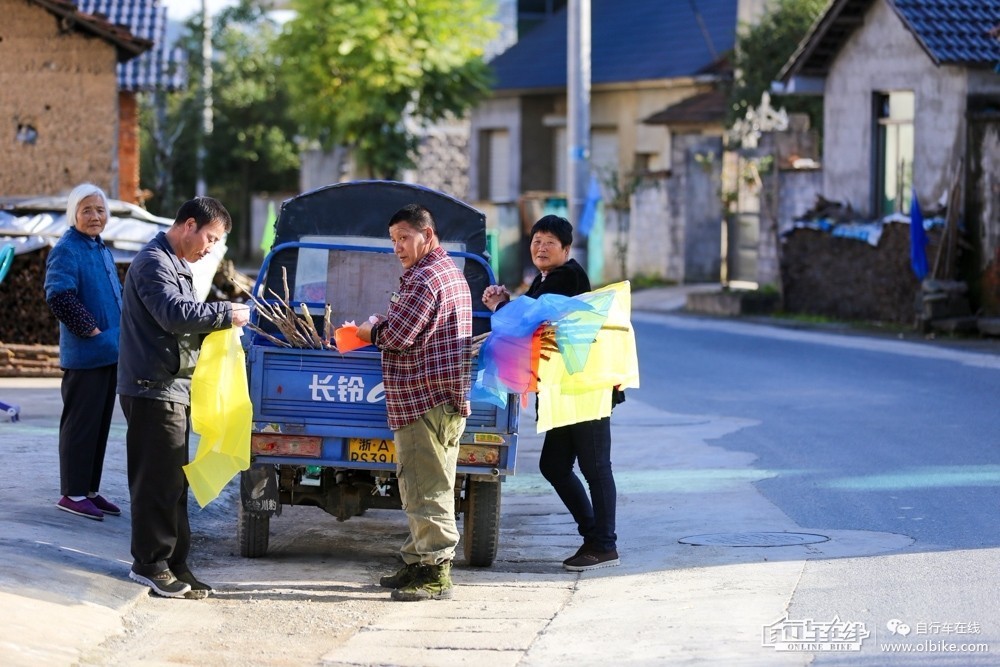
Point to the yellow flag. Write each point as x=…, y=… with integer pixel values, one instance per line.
x=221, y=413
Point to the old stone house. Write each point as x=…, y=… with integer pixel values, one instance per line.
x=911, y=104
x=901, y=80
x=59, y=96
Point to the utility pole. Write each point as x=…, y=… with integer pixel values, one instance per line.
x=200, y=188
x=578, y=117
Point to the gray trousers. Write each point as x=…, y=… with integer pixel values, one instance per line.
x=427, y=455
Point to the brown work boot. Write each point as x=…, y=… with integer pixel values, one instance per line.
x=404, y=577
x=433, y=583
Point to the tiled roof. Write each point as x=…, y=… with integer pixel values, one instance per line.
x=952, y=32
x=631, y=40
x=160, y=68
x=703, y=108
x=127, y=44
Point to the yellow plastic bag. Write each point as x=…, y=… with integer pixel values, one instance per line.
x=221, y=413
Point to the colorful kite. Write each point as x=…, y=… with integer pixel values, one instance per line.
x=570, y=350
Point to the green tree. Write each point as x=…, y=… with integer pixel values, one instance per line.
x=252, y=145
x=364, y=74
x=763, y=49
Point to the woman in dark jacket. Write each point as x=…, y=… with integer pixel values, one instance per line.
x=84, y=293
x=588, y=443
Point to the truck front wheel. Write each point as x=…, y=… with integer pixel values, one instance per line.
x=481, y=527
x=252, y=532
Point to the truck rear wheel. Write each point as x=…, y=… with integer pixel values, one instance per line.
x=481, y=527
x=252, y=532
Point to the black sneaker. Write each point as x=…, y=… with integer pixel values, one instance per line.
x=163, y=583
x=592, y=560
x=405, y=576
x=579, y=552
x=199, y=589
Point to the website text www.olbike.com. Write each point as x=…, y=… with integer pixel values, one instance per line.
x=934, y=646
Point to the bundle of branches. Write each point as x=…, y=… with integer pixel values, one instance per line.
x=296, y=331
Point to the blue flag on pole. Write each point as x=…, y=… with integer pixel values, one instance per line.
x=918, y=239
x=590, y=207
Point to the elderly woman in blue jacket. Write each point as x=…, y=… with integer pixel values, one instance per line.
x=83, y=291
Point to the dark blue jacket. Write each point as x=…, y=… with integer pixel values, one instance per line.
x=163, y=324
x=83, y=266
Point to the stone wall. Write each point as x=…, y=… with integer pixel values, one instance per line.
x=58, y=108
x=695, y=205
x=443, y=159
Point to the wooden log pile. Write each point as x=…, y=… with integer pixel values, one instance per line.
x=40, y=361
x=851, y=280
x=29, y=332
x=25, y=318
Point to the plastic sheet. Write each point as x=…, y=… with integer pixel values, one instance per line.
x=221, y=413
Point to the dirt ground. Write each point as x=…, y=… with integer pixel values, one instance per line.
x=316, y=588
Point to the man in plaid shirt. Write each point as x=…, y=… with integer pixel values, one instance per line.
x=425, y=339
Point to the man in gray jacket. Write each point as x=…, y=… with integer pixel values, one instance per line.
x=163, y=323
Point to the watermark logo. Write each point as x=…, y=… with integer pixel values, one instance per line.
x=897, y=627
x=815, y=636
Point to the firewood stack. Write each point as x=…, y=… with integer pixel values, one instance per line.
x=29, y=332
x=25, y=318
x=40, y=361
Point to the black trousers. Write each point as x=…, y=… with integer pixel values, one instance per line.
x=88, y=396
x=157, y=444
x=589, y=445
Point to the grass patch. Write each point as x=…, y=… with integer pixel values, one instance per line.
x=646, y=282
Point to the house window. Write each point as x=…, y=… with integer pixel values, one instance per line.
x=893, y=152
x=494, y=166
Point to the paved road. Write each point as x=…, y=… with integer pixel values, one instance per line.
x=707, y=446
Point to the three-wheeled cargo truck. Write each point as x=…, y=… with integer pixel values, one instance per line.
x=320, y=435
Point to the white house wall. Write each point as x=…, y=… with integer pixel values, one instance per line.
x=984, y=82
x=884, y=56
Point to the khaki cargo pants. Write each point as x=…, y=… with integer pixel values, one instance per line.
x=426, y=455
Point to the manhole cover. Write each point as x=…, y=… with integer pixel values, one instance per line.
x=753, y=539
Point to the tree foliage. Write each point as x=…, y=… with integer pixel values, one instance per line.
x=363, y=74
x=763, y=49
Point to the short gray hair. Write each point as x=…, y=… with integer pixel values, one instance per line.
x=80, y=193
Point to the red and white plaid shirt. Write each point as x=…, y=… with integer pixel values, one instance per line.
x=425, y=341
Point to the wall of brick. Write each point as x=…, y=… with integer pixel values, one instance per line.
x=128, y=147
x=58, y=105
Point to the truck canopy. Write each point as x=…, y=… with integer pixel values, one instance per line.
x=332, y=246
x=363, y=209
